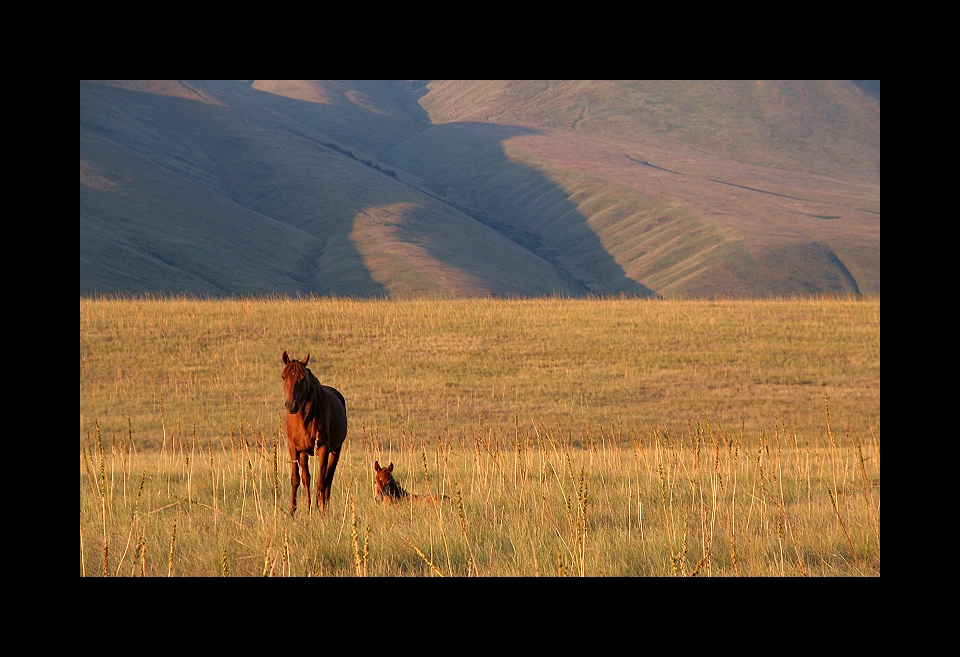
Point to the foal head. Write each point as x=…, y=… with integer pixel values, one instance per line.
x=387, y=486
x=295, y=382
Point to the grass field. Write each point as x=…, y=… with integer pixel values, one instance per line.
x=600, y=437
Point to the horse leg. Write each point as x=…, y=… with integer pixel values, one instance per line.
x=331, y=468
x=305, y=467
x=322, y=496
x=294, y=485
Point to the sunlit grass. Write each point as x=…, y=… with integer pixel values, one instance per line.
x=600, y=437
x=704, y=504
x=436, y=366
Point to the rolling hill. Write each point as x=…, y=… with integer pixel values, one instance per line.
x=678, y=189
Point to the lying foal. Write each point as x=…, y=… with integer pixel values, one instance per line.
x=389, y=490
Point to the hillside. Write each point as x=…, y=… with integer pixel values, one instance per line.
x=476, y=188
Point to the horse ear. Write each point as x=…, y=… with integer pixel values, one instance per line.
x=376, y=466
x=390, y=467
x=304, y=361
x=285, y=358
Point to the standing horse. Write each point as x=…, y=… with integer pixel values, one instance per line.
x=316, y=426
x=389, y=490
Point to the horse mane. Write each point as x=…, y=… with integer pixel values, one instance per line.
x=313, y=387
x=312, y=381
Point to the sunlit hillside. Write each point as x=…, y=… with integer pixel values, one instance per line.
x=469, y=188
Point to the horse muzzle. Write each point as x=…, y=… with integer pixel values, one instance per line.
x=292, y=406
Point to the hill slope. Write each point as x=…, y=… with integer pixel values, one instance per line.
x=465, y=188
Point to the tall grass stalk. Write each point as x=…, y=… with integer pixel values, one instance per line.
x=585, y=528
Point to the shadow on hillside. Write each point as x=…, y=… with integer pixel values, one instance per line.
x=216, y=195
x=465, y=166
x=242, y=189
x=518, y=201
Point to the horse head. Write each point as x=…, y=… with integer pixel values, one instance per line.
x=294, y=382
x=383, y=480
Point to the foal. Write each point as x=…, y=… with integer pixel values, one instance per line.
x=388, y=489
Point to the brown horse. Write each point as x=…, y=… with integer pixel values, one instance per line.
x=316, y=426
x=389, y=490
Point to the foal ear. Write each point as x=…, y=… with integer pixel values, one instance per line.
x=285, y=358
x=389, y=468
x=304, y=361
x=376, y=466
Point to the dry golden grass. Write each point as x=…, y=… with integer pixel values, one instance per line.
x=702, y=504
x=600, y=438
x=202, y=368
